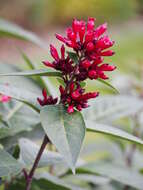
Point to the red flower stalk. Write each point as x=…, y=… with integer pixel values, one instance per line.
x=90, y=46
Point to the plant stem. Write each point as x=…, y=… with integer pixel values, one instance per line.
x=29, y=177
x=129, y=158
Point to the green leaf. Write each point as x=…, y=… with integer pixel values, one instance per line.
x=27, y=60
x=43, y=182
x=109, y=85
x=73, y=56
x=94, y=179
x=112, y=131
x=55, y=183
x=29, y=151
x=8, y=29
x=120, y=173
x=110, y=108
x=66, y=131
x=34, y=72
x=17, y=115
x=8, y=165
x=21, y=94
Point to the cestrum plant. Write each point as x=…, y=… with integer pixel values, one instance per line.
x=90, y=46
x=61, y=117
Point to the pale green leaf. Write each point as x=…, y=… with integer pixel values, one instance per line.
x=34, y=72
x=112, y=131
x=122, y=174
x=66, y=131
x=8, y=165
x=29, y=151
x=21, y=94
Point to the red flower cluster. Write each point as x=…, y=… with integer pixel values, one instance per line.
x=90, y=46
x=75, y=97
x=62, y=63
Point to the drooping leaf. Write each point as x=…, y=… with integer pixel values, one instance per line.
x=112, y=131
x=116, y=172
x=109, y=85
x=29, y=151
x=8, y=165
x=110, y=108
x=17, y=115
x=73, y=56
x=8, y=29
x=21, y=94
x=34, y=72
x=66, y=131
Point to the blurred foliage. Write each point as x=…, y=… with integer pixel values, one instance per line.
x=42, y=12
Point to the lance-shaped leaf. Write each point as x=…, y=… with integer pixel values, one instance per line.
x=109, y=85
x=8, y=29
x=21, y=94
x=8, y=165
x=122, y=174
x=34, y=72
x=66, y=131
x=112, y=131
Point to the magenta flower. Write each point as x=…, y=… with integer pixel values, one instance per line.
x=4, y=98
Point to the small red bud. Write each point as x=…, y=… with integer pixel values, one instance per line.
x=92, y=74
x=75, y=95
x=70, y=109
x=86, y=64
x=90, y=46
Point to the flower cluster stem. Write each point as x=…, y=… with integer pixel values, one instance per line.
x=29, y=177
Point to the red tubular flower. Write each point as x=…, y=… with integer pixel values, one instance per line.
x=90, y=46
x=63, y=64
x=76, y=98
x=47, y=100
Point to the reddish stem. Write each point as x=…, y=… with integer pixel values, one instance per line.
x=29, y=177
